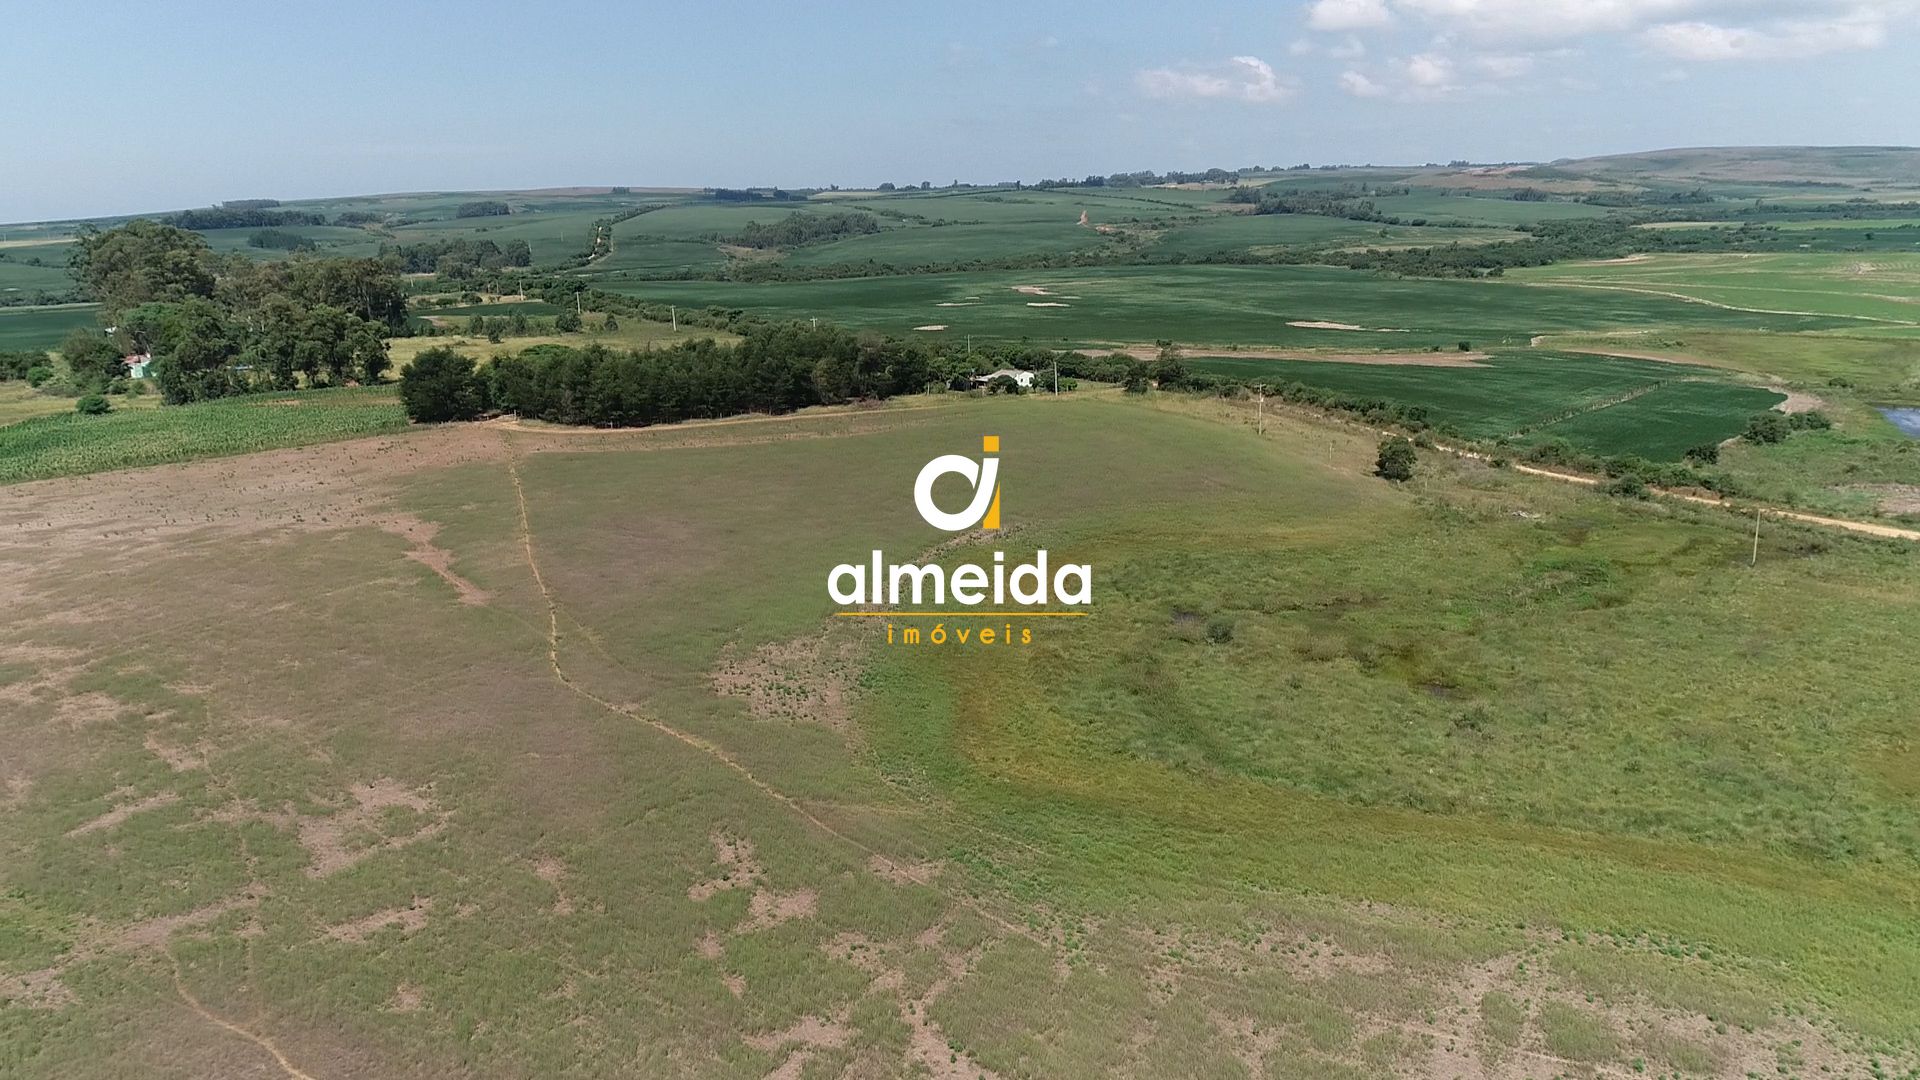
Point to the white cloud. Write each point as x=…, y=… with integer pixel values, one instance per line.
x=1429, y=72
x=1348, y=14
x=1788, y=39
x=1350, y=49
x=1546, y=19
x=1242, y=78
x=1359, y=85
x=1692, y=30
x=1503, y=66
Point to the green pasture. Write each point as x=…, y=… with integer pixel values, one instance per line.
x=1471, y=210
x=1210, y=305
x=1866, y=288
x=1532, y=395
x=43, y=327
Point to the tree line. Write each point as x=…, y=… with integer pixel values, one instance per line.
x=797, y=229
x=216, y=326
x=457, y=257
x=776, y=368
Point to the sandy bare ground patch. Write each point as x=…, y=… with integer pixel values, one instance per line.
x=1798, y=401
x=333, y=841
x=1046, y=303
x=153, y=933
x=1033, y=290
x=408, y=920
x=407, y=998
x=327, y=839
x=1400, y=359
x=769, y=909
x=554, y=872
x=958, y=303
x=85, y=710
x=1894, y=498
x=420, y=534
x=123, y=811
x=807, y=680
x=1320, y=324
x=36, y=989
x=932, y=326
x=928, y=1047
x=178, y=758
x=806, y=1035
x=903, y=873
x=739, y=868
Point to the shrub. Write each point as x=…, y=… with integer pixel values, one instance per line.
x=92, y=405
x=441, y=385
x=1396, y=460
x=1811, y=420
x=36, y=376
x=1767, y=427
x=1627, y=485
x=1705, y=453
x=1466, y=346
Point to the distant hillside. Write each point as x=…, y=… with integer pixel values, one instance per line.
x=1851, y=166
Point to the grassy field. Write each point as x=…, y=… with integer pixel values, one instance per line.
x=20, y=402
x=632, y=334
x=1293, y=798
x=1609, y=405
x=1212, y=305
x=132, y=436
x=43, y=327
x=1880, y=288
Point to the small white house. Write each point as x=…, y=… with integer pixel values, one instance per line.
x=137, y=365
x=1024, y=378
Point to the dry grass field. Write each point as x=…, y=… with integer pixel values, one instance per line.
x=492, y=750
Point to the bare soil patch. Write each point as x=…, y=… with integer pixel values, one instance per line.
x=123, y=811
x=1319, y=324
x=932, y=326
x=739, y=868
x=408, y=920
x=807, y=680
x=420, y=534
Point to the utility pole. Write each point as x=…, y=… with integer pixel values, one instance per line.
x=673, y=313
x=1754, y=559
x=1260, y=408
x=1056, y=378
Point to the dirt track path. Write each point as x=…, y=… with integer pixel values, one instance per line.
x=707, y=747
x=1864, y=528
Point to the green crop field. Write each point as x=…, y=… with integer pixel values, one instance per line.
x=1877, y=287
x=43, y=327
x=69, y=444
x=1669, y=407
x=1211, y=305
x=295, y=740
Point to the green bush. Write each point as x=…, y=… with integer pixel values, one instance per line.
x=93, y=405
x=1396, y=460
x=1627, y=485
x=441, y=385
x=1767, y=427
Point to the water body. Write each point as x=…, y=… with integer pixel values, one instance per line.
x=1906, y=419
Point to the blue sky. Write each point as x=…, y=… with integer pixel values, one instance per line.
x=125, y=107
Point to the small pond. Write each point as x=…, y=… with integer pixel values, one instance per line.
x=1907, y=419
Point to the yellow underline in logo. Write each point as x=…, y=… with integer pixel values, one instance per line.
x=961, y=614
